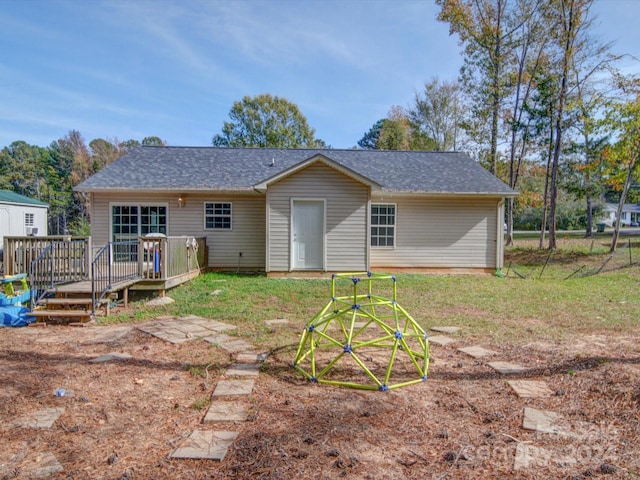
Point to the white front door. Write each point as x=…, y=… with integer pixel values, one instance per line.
x=307, y=220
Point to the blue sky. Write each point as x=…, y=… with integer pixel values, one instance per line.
x=129, y=69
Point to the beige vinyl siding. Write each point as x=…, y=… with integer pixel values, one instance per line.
x=346, y=217
x=247, y=234
x=441, y=233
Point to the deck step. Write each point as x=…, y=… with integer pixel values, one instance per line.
x=65, y=301
x=60, y=313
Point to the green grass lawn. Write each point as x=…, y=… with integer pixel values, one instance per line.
x=538, y=296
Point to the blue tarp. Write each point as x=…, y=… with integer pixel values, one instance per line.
x=17, y=299
x=12, y=316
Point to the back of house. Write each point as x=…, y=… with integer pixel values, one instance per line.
x=283, y=211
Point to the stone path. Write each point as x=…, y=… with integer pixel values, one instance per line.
x=477, y=351
x=527, y=456
x=229, y=400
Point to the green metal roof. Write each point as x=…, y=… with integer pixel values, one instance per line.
x=7, y=196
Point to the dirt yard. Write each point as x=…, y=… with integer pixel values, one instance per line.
x=126, y=417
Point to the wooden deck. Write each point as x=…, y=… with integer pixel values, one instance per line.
x=69, y=278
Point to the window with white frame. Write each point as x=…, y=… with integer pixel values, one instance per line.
x=383, y=224
x=130, y=221
x=29, y=220
x=217, y=215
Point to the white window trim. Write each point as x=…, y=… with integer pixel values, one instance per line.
x=395, y=225
x=29, y=219
x=136, y=204
x=213, y=229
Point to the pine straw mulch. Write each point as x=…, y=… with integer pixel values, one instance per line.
x=126, y=417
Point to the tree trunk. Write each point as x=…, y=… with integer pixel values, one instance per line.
x=495, y=86
x=623, y=199
x=545, y=200
x=588, y=233
x=569, y=32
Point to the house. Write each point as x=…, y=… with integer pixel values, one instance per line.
x=21, y=216
x=315, y=210
x=630, y=214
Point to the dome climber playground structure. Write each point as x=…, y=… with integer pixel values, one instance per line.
x=363, y=340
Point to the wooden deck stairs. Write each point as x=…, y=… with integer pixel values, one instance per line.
x=70, y=304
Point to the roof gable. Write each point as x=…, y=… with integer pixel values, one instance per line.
x=206, y=169
x=317, y=158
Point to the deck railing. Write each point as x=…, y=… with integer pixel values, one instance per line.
x=167, y=257
x=114, y=263
x=55, y=263
x=52, y=261
x=71, y=253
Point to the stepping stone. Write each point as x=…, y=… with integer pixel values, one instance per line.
x=205, y=444
x=507, y=368
x=542, y=421
x=220, y=411
x=172, y=336
x=107, y=357
x=233, y=387
x=530, y=388
x=530, y=456
x=441, y=340
x=243, y=370
x=182, y=329
x=217, y=339
x=43, y=466
x=277, y=321
x=477, y=351
x=207, y=323
x=236, y=346
x=248, y=357
x=445, y=329
x=40, y=419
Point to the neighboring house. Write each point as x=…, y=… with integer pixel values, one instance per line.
x=287, y=210
x=630, y=214
x=20, y=216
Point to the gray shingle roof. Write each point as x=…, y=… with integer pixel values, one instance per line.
x=7, y=196
x=212, y=168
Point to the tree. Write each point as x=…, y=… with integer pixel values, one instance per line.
x=574, y=49
x=103, y=153
x=71, y=161
x=266, y=121
x=623, y=156
x=129, y=145
x=436, y=114
x=396, y=132
x=583, y=175
x=485, y=29
x=527, y=58
x=370, y=139
x=23, y=169
x=153, y=142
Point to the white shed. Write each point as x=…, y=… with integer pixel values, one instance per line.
x=20, y=215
